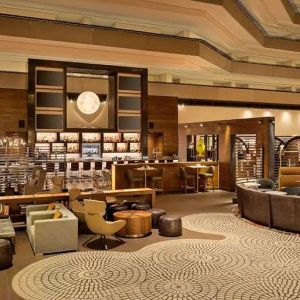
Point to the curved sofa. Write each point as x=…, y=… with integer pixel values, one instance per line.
x=275, y=211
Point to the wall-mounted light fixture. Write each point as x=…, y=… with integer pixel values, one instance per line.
x=88, y=102
x=201, y=125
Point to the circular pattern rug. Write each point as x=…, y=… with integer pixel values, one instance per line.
x=249, y=263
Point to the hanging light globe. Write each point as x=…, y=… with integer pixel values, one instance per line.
x=88, y=102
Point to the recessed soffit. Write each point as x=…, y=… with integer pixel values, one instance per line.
x=239, y=12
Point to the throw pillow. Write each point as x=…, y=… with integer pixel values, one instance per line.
x=51, y=206
x=57, y=215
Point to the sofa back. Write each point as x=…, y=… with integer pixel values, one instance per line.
x=278, y=211
x=285, y=212
x=256, y=206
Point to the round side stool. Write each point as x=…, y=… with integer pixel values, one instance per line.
x=141, y=206
x=170, y=225
x=6, y=254
x=114, y=208
x=156, y=214
x=129, y=204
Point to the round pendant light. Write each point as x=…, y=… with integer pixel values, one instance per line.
x=88, y=102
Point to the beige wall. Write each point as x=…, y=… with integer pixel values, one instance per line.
x=287, y=122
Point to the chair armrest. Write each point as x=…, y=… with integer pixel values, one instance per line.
x=41, y=217
x=39, y=207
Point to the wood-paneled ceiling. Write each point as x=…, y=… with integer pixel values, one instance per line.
x=253, y=43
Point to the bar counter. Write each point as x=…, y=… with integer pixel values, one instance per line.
x=171, y=176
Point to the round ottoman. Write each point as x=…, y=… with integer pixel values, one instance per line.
x=156, y=214
x=170, y=225
x=114, y=208
x=6, y=254
x=138, y=223
x=129, y=204
x=141, y=206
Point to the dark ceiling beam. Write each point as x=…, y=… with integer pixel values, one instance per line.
x=294, y=16
x=49, y=30
x=240, y=13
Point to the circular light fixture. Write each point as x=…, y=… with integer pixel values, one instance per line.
x=88, y=102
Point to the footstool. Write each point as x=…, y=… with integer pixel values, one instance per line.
x=156, y=214
x=141, y=206
x=6, y=254
x=170, y=225
x=114, y=208
x=129, y=204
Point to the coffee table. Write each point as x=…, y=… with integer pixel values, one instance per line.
x=138, y=223
x=7, y=232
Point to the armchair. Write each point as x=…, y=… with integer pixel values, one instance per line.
x=48, y=235
x=36, y=184
x=94, y=217
x=76, y=207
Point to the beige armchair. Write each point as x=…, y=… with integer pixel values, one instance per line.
x=94, y=217
x=57, y=182
x=36, y=183
x=76, y=207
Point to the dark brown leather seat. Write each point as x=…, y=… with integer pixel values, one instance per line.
x=285, y=211
x=140, y=206
x=170, y=225
x=156, y=214
x=256, y=206
x=6, y=254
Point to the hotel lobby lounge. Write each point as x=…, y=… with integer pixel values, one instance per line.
x=150, y=149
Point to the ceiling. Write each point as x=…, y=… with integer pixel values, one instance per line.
x=263, y=32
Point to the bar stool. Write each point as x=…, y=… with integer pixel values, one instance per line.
x=86, y=171
x=186, y=180
x=62, y=171
x=138, y=181
x=108, y=165
x=206, y=177
x=158, y=180
x=74, y=169
x=98, y=168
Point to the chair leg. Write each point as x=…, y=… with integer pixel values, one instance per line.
x=105, y=243
x=91, y=238
x=118, y=238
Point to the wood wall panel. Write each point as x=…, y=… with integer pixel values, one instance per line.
x=13, y=107
x=163, y=112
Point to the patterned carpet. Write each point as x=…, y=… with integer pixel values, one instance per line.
x=251, y=262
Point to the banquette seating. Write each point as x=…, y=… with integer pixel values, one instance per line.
x=278, y=211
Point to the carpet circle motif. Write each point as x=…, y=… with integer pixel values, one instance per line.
x=251, y=262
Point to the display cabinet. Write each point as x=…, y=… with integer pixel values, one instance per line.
x=52, y=143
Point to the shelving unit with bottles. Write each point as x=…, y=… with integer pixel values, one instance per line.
x=50, y=143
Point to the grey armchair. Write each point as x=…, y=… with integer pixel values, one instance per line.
x=266, y=184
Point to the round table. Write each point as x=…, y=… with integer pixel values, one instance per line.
x=138, y=223
x=145, y=169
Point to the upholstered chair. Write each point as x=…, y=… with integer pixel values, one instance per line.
x=186, y=180
x=57, y=184
x=266, y=184
x=94, y=217
x=76, y=207
x=134, y=181
x=36, y=183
